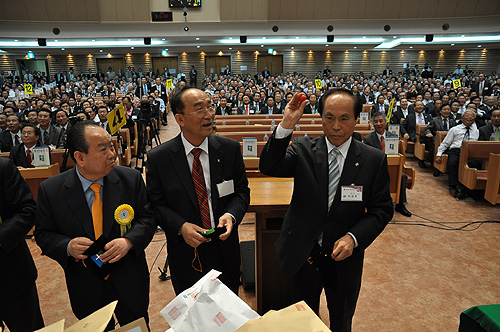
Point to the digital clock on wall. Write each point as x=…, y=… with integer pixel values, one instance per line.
x=161, y=16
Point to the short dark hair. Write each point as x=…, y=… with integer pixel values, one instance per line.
x=76, y=140
x=176, y=102
x=60, y=110
x=37, y=130
x=377, y=114
x=357, y=106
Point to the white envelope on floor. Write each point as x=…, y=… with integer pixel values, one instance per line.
x=207, y=306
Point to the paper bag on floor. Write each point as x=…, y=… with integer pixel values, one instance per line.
x=295, y=318
x=207, y=306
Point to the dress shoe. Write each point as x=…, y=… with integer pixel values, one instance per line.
x=453, y=191
x=422, y=164
x=436, y=173
x=164, y=123
x=401, y=208
x=460, y=193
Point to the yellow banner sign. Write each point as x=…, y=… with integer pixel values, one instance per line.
x=28, y=89
x=318, y=84
x=389, y=112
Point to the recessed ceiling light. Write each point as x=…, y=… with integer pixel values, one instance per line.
x=355, y=47
x=100, y=50
x=62, y=49
x=230, y=37
x=230, y=48
x=197, y=38
x=16, y=40
x=129, y=39
x=364, y=37
x=132, y=47
x=411, y=46
x=297, y=37
x=56, y=40
x=479, y=45
x=463, y=36
x=263, y=37
x=261, y=45
x=93, y=39
x=293, y=48
x=197, y=46
x=163, y=39
x=327, y=45
x=452, y=44
x=394, y=37
x=166, y=49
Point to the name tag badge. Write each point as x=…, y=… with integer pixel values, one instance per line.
x=225, y=188
x=352, y=194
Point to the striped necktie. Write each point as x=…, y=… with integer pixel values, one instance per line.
x=201, y=189
x=333, y=175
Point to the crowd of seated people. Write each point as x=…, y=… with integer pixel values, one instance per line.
x=420, y=97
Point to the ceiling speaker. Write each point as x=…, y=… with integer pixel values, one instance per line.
x=275, y=28
x=147, y=41
x=42, y=42
x=387, y=27
x=446, y=26
x=243, y=39
x=329, y=28
x=56, y=31
x=329, y=38
x=429, y=38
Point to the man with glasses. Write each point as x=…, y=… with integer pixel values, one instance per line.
x=197, y=182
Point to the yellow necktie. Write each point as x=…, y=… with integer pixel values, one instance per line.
x=97, y=210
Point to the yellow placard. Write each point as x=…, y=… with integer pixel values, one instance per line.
x=113, y=125
x=457, y=84
x=318, y=84
x=116, y=119
x=120, y=114
x=28, y=89
x=169, y=83
x=389, y=112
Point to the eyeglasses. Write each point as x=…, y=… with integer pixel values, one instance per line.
x=202, y=111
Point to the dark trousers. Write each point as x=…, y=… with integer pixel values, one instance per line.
x=307, y=286
x=430, y=147
x=453, y=163
x=20, y=310
x=402, y=189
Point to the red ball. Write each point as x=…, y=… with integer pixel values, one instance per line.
x=302, y=97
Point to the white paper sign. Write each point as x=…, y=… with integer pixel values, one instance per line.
x=391, y=145
x=250, y=147
x=243, y=68
x=41, y=157
x=363, y=117
x=393, y=130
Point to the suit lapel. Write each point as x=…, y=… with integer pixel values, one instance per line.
x=111, y=200
x=320, y=160
x=22, y=155
x=215, y=156
x=179, y=161
x=78, y=204
x=352, y=164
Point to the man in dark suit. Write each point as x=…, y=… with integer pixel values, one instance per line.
x=279, y=103
x=223, y=109
x=162, y=90
x=266, y=73
x=193, y=77
x=340, y=204
x=400, y=112
x=442, y=122
x=143, y=88
x=482, y=87
x=247, y=108
x=77, y=207
x=197, y=181
x=270, y=108
x=50, y=135
x=12, y=136
x=19, y=305
x=409, y=125
x=312, y=105
x=376, y=139
x=22, y=154
x=491, y=130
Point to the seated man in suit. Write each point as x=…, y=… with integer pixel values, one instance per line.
x=19, y=305
x=341, y=202
x=247, y=108
x=380, y=105
x=12, y=136
x=312, y=105
x=451, y=144
x=269, y=108
x=62, y=122
x=3, y=123
x=50, y=134
x=400, y=112
x=22, y=154
x=223, y=108
x=197, y=181
x=442, y=122
x=377, y=140
x=102, y=112
x=93, y=199
x=409, y=125
x=491, y=132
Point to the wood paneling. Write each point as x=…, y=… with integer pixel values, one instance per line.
x=115, y=64
x=274, y=63
x=217, y=63
x=169, y=62
x=306, y=63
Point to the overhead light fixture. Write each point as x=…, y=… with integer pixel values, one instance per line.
x=394, y=37
x=129, y=39
x=132, y=47
x=411, y=46
x=186, y=28
x=197, y=38
x=100, y=50
x=62, y=49
x=197, y=46
x=56, y=40
x=292, y=48
x=270, y=51
x=297, y=37
x=230, y=37
x=16, y=40
x=479, y=45
x=327, y=45
x=355, y=47
x=452, y=44
x=163, y=39
x=93, y=40
x=261, y=45
x=230, y=48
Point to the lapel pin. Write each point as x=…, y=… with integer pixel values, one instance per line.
x=356, y=164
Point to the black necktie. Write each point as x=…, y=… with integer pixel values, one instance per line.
x=46, y=137
x=16, y=140
x=445, y=124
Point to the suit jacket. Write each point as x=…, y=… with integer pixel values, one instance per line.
x=56, y=137
x=436, y=124
x=306, y=160
x=6, y=140
x=485, y=132
x=63, y=214
x=227, y=110
x=376, y=108
x=265, y=110
x=409, y=124
x=162, y=92
x=139, y=91
x=251, y=110
x=18, y=155
x=372, y=140
x=398, y=115
x=172, y=193
x=281, y=108
x=17, y=211
x=309, y=110
x=486, y=90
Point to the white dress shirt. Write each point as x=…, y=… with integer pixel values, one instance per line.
x=455, y=137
